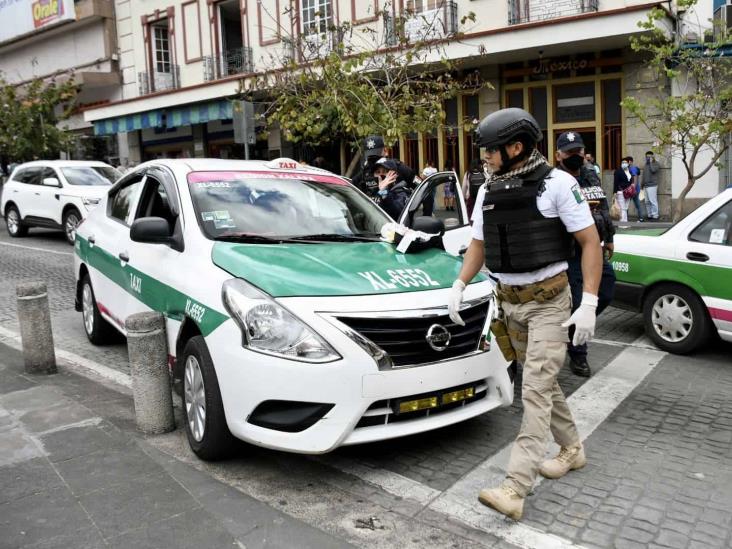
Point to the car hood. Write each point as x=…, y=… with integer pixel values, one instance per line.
x=333, y=269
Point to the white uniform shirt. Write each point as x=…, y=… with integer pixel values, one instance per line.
x=561, y=198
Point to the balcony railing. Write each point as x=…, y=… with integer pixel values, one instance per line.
x=234, y=61
x=433, y=24
x=320, y=44
x=528, y=11
x=153, y=81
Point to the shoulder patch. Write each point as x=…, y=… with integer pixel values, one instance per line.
x=577, y=193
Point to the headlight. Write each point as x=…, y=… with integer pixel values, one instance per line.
x=267, y=327
x=90, y=202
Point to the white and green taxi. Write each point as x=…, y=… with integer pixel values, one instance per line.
x=680, y=278
x=292, y=324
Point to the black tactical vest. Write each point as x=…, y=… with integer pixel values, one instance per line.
x=475, y=180
x=517, y=237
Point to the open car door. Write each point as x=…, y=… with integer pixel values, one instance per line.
x=440, y=196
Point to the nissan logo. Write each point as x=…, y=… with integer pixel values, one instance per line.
x=438, y=337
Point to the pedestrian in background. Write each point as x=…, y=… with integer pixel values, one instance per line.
x=650, y=184
x=622, y=179
x=472, y=182
x=635, y=172
x=449, y=188
x=590, y=161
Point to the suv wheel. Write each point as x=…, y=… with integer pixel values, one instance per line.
x=71, y=220
x=675, y=318
x=206, y=429
x=14, y=224
x=97, y=329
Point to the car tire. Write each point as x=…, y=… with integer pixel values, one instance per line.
x=98, y=330
x=14, y=224
x=675, y=318
x=71, y=220
x=206, y=428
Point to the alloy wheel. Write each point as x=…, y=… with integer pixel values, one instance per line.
x=87, y=308
x=195, y=398
x=12, y=221
x=72, y=221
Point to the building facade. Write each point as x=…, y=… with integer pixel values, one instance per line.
x=57, y=38
x=566, y=61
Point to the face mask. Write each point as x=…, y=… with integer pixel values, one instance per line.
x=624, y=165
x=573, y=163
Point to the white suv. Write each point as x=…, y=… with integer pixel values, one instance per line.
x=54, y=194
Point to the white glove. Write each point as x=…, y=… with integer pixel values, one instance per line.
x=583, y=319
x=456, y=298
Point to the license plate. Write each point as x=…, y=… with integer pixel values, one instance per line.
x=429, y=402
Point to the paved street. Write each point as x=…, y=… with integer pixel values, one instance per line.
x=657, y=430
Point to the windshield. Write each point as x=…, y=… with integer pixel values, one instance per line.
x=281, y=205
x=91, y=175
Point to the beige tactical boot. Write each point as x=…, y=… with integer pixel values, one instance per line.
x=503, y=499
x=568, y=459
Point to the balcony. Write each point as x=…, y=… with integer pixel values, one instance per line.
x=235, y=61
x=318, y=45
x=432, y=24
x=155, y=81
x=530, y=11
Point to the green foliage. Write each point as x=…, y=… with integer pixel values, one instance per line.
x=363, y=82
x=29, y=116
x=691, y=112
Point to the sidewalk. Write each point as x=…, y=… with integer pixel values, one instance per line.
x=74, y=472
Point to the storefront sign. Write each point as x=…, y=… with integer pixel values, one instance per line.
x=548, y=66
x=21, y=17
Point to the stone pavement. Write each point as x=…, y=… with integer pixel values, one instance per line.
x=74, y=473
x=659, y=470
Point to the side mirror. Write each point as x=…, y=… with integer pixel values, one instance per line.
x=51, y=182
x=152, y=230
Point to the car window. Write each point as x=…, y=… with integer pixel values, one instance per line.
x=155, y=202
x=443, y=203
x=122, y=201
x=279, y=205
x=716, y=228
x=91, y=175
x=49, y=172
x=31, y=176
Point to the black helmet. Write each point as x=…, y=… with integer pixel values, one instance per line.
x=501, y=127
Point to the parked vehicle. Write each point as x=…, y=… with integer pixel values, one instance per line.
x=680, y=278
x=55, y=194
x=290, y=321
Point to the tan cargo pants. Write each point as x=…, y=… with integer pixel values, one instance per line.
x=541, y=344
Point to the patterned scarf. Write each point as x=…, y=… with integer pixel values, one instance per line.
x=535, y=160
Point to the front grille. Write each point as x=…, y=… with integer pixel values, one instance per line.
x=404, y=339
x=383, y=412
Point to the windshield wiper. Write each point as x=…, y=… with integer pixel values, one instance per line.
x=249, y=238
x=331, y=237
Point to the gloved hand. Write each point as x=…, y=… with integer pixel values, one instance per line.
x=456, y=298
x=583, y=319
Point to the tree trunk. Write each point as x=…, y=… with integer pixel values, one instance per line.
x=679, y=209
x=354, y=163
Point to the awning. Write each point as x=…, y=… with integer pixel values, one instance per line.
x=198, y=114
x=169, y=118
x=128, y=123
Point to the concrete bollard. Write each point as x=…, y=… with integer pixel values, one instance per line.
x=35, y=328
x=148, y=350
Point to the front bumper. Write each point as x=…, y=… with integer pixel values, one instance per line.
x=349, y=388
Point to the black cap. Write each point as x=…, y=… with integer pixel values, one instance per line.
x=387, y=163
x=570, y=140
x=373, y=145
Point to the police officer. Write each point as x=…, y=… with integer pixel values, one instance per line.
x=570, y=158
x=373, y=147
x=526, y=220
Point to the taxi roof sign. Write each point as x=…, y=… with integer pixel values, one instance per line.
x=284, y=164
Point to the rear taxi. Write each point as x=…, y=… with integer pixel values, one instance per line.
x=680, y=278
x=292, y=324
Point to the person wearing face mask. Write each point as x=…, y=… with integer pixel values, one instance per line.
x=526, y=221
x=569, y=157
x=622, y=179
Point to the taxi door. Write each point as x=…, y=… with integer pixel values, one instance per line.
x=108, y=251
x=441, y=196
